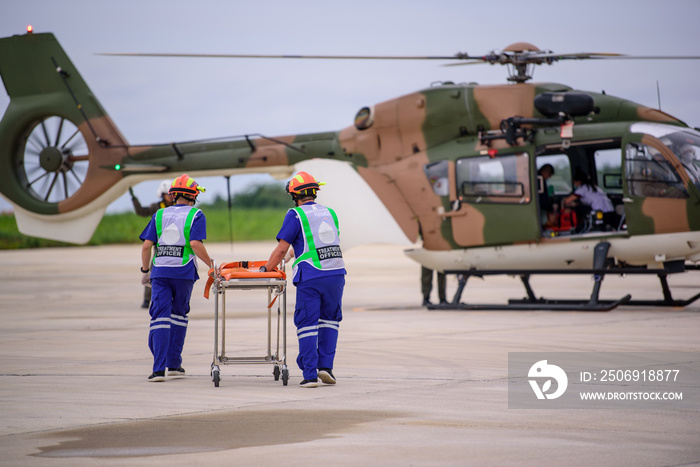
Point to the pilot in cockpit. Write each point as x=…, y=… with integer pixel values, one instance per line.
x=688, y=160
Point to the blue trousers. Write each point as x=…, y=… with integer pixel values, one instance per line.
x=317, y=315
x=170, y=304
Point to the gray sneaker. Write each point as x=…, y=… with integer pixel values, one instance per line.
x=326, y=375
x=176, y=372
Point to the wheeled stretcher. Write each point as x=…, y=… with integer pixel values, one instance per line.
x=245, y=275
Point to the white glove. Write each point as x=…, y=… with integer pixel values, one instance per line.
x=146, y=279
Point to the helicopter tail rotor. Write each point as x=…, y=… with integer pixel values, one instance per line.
x=54, y=139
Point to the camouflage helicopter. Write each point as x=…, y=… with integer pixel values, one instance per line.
x=455, y=165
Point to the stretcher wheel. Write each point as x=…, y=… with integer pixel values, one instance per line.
x=285, y=377
x=276, y=373
x=216, y=378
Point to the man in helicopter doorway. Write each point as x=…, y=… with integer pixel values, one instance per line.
x=547, y=207
x=165, y=200
x=177, y=233
x=318, y=274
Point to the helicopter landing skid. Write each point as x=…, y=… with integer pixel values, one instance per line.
x=532, y=303
x=539, y=305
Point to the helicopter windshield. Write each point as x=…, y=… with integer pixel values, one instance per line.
x=683, y=142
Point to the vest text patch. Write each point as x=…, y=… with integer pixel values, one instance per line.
x=170, y=250
x=331, y=251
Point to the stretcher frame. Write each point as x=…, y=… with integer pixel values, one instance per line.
x=251, y=279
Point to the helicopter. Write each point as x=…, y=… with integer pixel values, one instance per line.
x=457, y=166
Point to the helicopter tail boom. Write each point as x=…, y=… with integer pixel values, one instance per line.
x=63, y=160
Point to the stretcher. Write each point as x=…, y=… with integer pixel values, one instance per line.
x=245, y=275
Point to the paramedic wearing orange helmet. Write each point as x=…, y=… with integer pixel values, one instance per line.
x=177, y=232
x=318, y=274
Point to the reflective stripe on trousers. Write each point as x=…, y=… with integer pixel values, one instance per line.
x=317, y=317
x=170, y=304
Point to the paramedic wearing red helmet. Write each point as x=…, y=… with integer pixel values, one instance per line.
x=319, y=275
x=177, y=232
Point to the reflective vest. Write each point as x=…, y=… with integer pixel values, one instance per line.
x=173, y=226
x=319, y=226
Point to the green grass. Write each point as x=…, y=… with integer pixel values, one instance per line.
x=248, y=225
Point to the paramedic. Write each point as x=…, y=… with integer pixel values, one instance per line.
x=177, y=233
x=165, y=200
x=591, y=197
x=319, y=275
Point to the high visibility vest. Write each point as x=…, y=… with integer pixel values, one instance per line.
x=173, y=226
x=319, y=226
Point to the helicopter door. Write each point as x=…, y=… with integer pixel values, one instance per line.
x=493, y=201
x=655, y=194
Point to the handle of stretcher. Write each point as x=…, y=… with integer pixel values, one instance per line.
x=242, y=270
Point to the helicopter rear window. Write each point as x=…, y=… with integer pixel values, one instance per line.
x=504, y=179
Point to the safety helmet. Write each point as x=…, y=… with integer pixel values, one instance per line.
x=163, y=188
x=186, y=186
x=302, y=185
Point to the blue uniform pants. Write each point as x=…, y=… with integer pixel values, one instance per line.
x=317, y=315
x=170, y=304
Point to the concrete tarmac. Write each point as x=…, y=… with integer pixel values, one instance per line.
x=415, y=387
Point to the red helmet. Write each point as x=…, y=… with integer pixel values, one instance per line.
x=185, y=185
x=303, y=184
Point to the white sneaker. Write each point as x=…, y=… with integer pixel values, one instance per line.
x=309, y=383
x=157, y=377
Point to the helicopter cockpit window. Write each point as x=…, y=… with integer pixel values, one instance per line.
x=503, y=179
x=649, y=174
x=684, y=142
x=437, y=173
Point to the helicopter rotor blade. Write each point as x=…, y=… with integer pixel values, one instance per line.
x=473, y=62
x=520, y=58
x=493, y=57
x=322, y=57
x=613, y=56
x=549, y=57
x=655, y=57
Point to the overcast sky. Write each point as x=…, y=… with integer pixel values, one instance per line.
x=161, y=100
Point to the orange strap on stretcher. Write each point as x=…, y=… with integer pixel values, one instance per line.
x=244, y=270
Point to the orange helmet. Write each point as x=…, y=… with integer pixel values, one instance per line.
x=185, y=185
x=302, y=185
